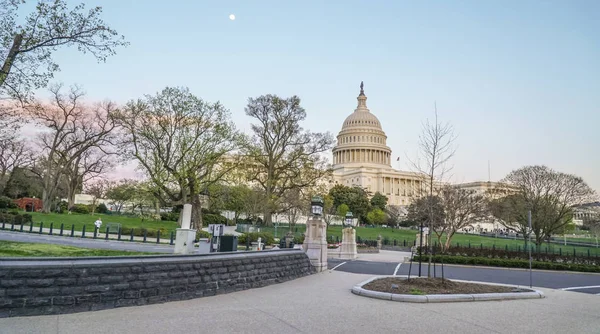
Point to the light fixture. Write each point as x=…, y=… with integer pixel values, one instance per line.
x=349, y=219
x=316, y=206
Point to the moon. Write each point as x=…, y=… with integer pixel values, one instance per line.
x=232, y=17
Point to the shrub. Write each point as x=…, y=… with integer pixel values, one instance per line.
x=101, y=208
x=7, y=218
x=211, y=218
x=501, y=253
x=16, y=218
x=299, y=239
x=510, y=263
x=139, y=232
x=266, y=238
x=169, y=216
x=6, y=203
x=202, y=234
x=80, y=208
x=62, y=207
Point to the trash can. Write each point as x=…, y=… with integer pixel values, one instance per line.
x=229, y=243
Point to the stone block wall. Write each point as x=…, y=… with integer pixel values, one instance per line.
x=69, y=285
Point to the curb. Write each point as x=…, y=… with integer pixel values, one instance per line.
x=358, y=290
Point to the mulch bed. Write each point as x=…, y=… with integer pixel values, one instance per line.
x=433, y=286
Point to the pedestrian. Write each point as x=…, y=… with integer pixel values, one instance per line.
x=98, y=223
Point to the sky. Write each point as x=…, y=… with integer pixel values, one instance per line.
x=518, y=80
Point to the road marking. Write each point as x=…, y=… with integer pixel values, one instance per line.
x=397, y=268
x=334, y=268
x=581, y=287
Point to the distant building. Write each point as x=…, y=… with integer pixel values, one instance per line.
x=362, y=158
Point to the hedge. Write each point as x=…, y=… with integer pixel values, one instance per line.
x=509, y=263
x=501, y=253
x=15, y=218
x=139, y=232
x=266, y=238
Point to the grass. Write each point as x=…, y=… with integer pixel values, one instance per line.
x=26, y=249
x=79, y=220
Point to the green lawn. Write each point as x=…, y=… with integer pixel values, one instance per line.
x=78, y=220
x=25, y=249
x=466, y=240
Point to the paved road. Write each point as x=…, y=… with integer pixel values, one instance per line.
x=86, y=243
x=578, y=282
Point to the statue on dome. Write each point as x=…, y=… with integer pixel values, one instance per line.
x=362, y=92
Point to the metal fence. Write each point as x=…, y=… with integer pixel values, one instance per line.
x=92, y=233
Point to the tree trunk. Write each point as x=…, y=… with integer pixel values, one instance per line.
x=10, y=58
x=196, y=212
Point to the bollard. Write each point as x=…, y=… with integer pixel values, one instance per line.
x=41, y=227
x=119, y=233
x=3, y=224
x=145, y=235
x=404, y=242
x=481, y=246
x=72, y=230
x=62, y=226
x=106, y=234
x=83, y=232
x=51, y=228
x=560, y=251
x=171, y=243
x=588, y=252
x=95, y=232
x=21, y=229
x=12, y=226
x=157, y=236
x=469, y=243
x=574, y=253
x=131, y=235
x=506, y=248
x=31, y=227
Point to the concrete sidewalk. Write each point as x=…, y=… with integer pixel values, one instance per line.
x=323, y=303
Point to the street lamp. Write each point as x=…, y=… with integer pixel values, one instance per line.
x=349, y=219
x=316, y=206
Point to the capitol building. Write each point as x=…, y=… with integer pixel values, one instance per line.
x=362, y=158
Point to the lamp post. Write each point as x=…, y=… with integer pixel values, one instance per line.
x=316, y=206
x=349, y=219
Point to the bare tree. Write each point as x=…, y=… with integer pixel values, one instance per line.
x=287, y=156
x=72, y=129
x=26, y=49
x=294, y=204
x=90, y=165
x=436, y=148
x=179, y=141
x=461, y=208
x=548, y=194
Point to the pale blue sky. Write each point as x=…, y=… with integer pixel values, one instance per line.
x=519, y=80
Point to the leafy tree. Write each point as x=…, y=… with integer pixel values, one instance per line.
x=179, y=141
x=379, y=201
x=287, y=157
x=236, y=200
x=342, y=210
x=355, y=197
x=376, y=216
x=23, y=183
x=121, y=193
x=26, y=49
x=329, y=210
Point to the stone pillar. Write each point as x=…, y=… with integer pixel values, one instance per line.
x=315, y=243
x=348, y=248
x=379, y=243
x=185, y=236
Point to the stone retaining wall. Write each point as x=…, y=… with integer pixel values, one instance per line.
x=69, y=285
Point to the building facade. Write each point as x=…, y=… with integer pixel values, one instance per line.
x=362, y=158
